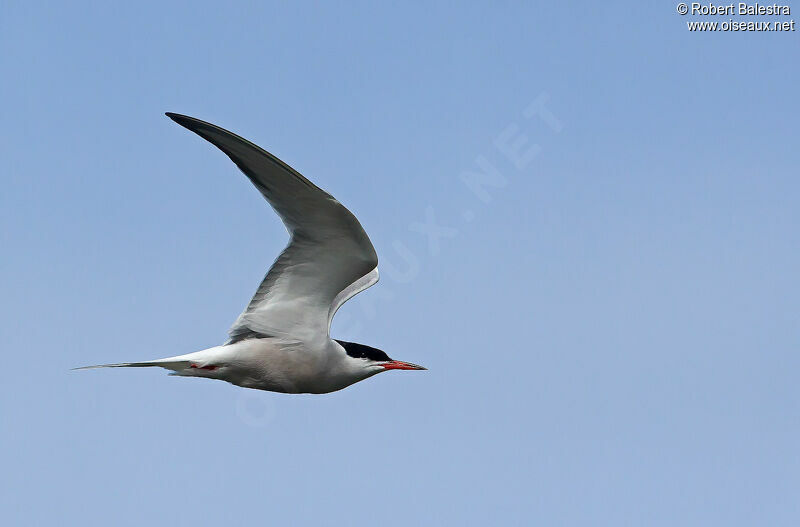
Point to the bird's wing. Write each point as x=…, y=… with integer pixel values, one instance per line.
x=328, y=260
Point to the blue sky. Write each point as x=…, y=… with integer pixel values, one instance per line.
x=610, y=324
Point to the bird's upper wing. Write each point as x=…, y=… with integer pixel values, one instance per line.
x=328, y=260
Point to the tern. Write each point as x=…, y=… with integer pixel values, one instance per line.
x=281, y=341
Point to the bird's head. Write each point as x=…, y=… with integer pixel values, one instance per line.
x=373, y=360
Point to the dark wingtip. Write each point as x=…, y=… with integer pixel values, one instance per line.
x=179, y=118
x=194, y=124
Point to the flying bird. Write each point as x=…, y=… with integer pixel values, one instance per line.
x=281, y=341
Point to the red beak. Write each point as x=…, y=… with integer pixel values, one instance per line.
x=400, y=365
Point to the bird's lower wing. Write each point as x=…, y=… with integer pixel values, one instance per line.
x=329, y=257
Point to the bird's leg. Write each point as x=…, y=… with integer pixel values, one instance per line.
x=209, y=367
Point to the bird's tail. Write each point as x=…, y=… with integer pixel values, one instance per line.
x=199, y=363
x=119, y=365
x=169, y=364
